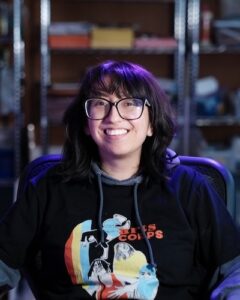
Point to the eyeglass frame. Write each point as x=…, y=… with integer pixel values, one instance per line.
x=144, y=102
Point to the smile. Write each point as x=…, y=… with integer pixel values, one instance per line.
x=115, y=131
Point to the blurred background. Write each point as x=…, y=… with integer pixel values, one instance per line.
x=192, y=47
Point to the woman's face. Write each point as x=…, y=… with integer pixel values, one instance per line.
x=119, y=138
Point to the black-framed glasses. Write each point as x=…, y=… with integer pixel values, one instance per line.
x=127, y=108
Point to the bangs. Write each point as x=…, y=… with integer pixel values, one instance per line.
x=122, y=84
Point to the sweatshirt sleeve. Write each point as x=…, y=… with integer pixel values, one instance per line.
x=219, y=243
x=9, y=277
x=228, y=275
x=218, y=235
x=218, y=238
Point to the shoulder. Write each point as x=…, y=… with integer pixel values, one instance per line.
x=49, y=179
x=191, y=187
x=35, y=176
x=196, y=193
x=186, y=175
x=50, y=173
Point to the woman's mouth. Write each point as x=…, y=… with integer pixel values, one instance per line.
x=113, y=132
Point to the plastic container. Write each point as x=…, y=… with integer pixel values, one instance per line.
x=206, y=25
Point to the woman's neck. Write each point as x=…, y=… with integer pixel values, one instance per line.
x=120, y=170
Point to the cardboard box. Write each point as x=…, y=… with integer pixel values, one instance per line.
x=69, y=41
x=155, y=43
x=59, y=28
x=112, y=38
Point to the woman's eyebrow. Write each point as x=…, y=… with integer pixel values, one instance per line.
x=102, y=93
x=99, y=93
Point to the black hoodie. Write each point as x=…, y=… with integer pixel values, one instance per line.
x=110, y=239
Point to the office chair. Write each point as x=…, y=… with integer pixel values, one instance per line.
x=219, y=176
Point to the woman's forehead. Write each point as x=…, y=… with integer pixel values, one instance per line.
x=106, y=87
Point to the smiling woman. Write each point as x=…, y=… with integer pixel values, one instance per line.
x=119, y=217
x=123, y=105
x=119, y=128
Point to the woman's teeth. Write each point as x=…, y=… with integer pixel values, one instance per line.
x=115, y=131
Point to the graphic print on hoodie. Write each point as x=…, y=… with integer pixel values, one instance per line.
x=111, y=269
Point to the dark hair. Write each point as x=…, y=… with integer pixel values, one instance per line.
x=122, y=78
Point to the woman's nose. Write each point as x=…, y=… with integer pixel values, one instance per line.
x=113, y=114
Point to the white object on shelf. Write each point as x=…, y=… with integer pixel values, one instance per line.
x=206, y=86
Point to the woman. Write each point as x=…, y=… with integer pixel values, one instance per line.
x=119, y=187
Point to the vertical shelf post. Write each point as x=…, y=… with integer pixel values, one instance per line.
x=17, y=67
x=180, y=36
x=193, y=26
x=180, y=72
x=45, y=71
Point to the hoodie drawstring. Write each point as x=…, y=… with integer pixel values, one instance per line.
x=150, y=252
x=100, y=212
x=172, y=160
x=138, y=218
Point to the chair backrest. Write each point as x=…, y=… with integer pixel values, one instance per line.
x=217, y=174
x=37, y=168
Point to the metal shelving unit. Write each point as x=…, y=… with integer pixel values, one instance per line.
x=14, y=42
x=12, y=127
x=195, y=49
x=178, y=54
x=225, y=125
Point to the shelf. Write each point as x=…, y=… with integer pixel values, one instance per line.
x=63, y=89
x=133, y=1
x=218, y=121
x=134, y=51
x=214, y=49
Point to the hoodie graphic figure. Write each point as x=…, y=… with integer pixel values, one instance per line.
x=118, y=272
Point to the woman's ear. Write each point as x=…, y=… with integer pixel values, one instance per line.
x=150, y=130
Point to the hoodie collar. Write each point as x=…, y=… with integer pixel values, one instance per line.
x=172, y=161
x=112, y=181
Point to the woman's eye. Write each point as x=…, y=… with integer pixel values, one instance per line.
x=129, y=103
x=134, y=102
x=99, y=103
